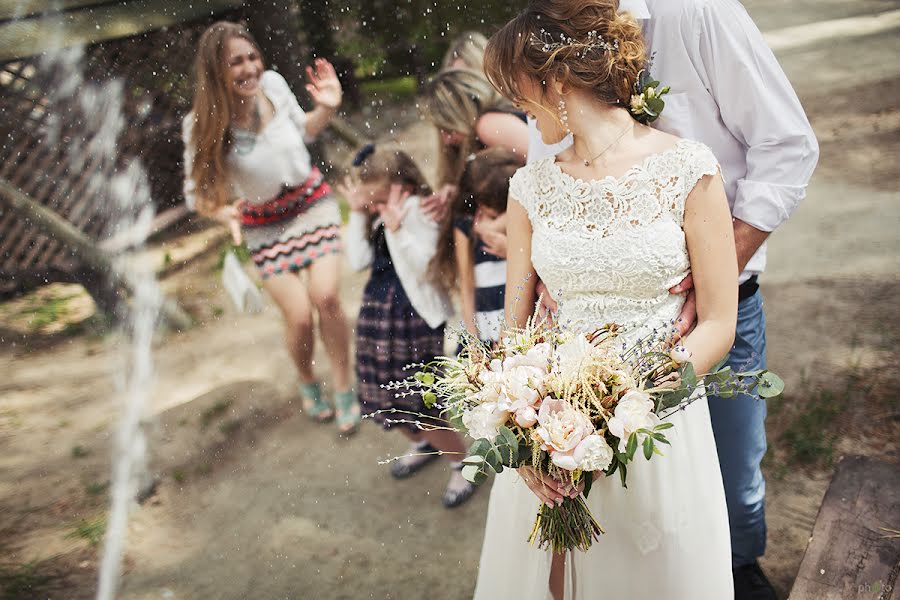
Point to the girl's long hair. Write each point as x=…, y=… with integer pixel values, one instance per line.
x=454, y=100
x=484, y=182
x=211, y=114
x=469, y=48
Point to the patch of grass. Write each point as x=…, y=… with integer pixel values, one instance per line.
x=48, y=312
x=167, y=259
x=213, y=412
x=96, y=488
x=179, y=476
x=80, y=452
x=204, y=469
x=63, y=423
x=23, y=581
x=218, y=311
x=91, y=530
x=230, y=426
x=811, y=436
x=397, y=88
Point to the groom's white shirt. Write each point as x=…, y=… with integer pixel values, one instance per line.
x=729, y=92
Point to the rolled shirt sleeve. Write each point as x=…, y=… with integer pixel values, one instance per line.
x=760, y=108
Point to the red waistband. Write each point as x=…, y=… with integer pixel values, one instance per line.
x=292, y=201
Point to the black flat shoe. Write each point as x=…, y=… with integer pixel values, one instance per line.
x=750, y=583
x=402, y=470
x=454, y=498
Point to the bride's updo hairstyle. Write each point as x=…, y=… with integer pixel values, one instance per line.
x=585, y=44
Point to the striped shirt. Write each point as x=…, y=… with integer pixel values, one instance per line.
x=490, y=285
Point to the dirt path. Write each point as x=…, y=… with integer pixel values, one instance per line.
x=254, y=501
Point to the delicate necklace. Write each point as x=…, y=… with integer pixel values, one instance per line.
x=245, y=139
x=587, y=162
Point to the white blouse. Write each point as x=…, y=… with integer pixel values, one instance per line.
x=412, y=246
x=278, y=158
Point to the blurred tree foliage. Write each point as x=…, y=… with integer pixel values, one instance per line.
x=381, y=39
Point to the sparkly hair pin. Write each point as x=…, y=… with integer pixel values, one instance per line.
x=547, y=43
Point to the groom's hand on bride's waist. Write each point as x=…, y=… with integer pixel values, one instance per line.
x=688, y=317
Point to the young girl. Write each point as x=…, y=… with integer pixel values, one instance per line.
x=403, y=313
x=471, y=250
x=246, y=164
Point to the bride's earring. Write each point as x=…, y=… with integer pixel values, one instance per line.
x=564, y=115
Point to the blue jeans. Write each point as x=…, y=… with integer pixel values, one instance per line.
x=739, y=427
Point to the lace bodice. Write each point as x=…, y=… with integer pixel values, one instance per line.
x=610, y=249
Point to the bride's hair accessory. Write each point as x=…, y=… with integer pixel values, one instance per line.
x=547, y=42
x=646, y=101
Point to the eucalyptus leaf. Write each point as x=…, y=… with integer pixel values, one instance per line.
x=473, y=460
x=473, y=474
x=430, y=399
x=508, y=437
x=770, y=385
x=480, y=447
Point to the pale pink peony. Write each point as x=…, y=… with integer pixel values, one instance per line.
x=561, y=429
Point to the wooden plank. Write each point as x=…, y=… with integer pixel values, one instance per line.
x=17, y=9
x=852, y=552
x=28, y=37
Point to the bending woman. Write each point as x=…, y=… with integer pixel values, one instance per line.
x=247, y=165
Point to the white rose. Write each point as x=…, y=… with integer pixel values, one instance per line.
x=538, y=356
x=593, y=454
x=562, y=428
x=634, y=411
x=484, y=420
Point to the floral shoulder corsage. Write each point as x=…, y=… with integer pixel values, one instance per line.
x=647, y=102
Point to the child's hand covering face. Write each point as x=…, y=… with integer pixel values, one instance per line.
x=394, y=210
x=363, y=197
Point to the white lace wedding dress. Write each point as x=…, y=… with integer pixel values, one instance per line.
x=611, y=249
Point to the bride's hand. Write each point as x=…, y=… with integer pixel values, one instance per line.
x=549, y=490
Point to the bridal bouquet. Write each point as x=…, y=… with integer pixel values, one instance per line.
x=570, y=405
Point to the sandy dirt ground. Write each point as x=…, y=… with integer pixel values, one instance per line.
x=249, y=499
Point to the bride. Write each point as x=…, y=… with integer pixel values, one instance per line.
x=609, y=225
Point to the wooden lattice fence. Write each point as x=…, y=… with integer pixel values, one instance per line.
x=38, y=133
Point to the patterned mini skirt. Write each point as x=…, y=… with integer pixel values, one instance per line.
x=291, y=231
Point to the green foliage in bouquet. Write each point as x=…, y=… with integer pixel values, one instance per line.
x=569, y=405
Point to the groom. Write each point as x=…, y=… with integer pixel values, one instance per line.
x=729, y=92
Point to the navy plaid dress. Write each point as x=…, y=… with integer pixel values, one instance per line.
x=390, y=334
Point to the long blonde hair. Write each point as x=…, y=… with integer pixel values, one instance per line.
x=469, y=48
x=211, y=112
x=454, y=100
